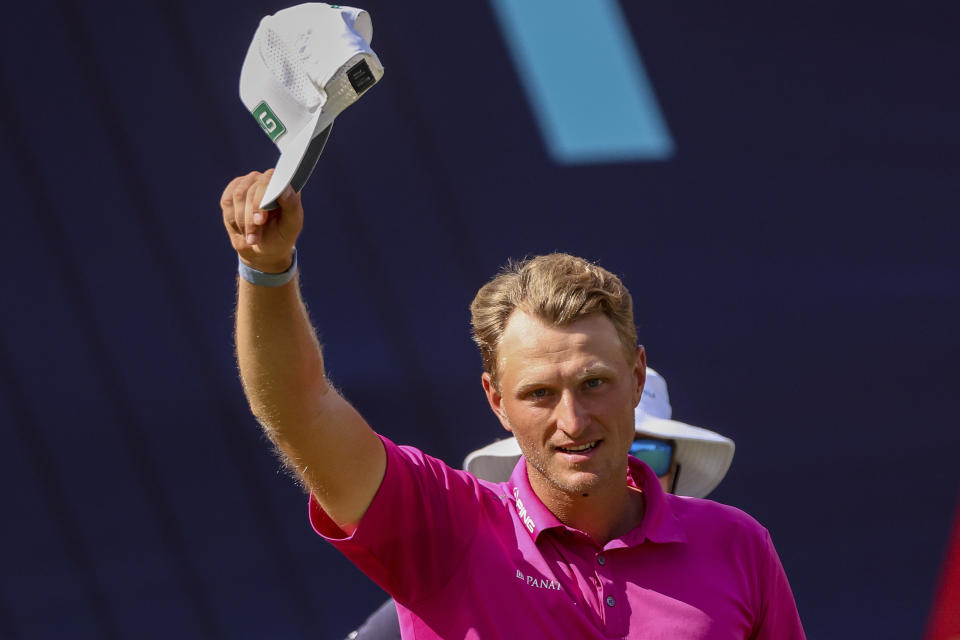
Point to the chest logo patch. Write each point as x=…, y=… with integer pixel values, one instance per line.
x=539, y=583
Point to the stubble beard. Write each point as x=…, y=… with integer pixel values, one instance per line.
x=537, y=457
x=570, y=487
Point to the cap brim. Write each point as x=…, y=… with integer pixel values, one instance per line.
x=296, y=164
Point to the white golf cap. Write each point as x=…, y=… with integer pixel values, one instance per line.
x=703, y=455
x=304, y=66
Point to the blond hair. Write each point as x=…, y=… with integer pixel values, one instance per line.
x=557, y=288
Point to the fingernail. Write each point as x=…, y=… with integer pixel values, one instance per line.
x=251, y=238
x=258, y=218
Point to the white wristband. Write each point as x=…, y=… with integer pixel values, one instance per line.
x=263, y=279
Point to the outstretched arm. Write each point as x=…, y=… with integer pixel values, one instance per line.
x=332, y=448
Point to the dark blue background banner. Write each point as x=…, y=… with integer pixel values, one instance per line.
x=792, y=249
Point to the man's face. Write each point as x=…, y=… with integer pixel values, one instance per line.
x=568, y=395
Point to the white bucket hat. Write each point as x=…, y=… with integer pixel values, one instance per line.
x=304, y=66
x=703, y=455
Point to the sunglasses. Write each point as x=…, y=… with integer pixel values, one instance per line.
x=658, y=454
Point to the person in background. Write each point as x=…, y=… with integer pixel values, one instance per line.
x=688, y=460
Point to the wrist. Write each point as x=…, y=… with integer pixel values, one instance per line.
x=268, y=274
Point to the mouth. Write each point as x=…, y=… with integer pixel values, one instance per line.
x=580, y=450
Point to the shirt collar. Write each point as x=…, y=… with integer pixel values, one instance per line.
x=659, y=523
x=527, y=506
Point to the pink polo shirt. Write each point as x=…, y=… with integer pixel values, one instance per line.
x=465, y=558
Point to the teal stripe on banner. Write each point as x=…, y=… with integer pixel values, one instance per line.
x=584, y=78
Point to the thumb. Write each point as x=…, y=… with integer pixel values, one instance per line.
x=289, y=199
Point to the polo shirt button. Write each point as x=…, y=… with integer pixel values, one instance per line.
x=611, y=601
x=602, y=559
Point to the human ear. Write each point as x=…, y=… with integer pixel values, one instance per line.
x=640, y=370
x=495, y=399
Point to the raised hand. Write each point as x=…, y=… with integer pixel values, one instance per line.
x=263, y=239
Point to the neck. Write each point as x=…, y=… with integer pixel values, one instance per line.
x=603, y=514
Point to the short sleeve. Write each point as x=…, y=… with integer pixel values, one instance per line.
x=778, y=616
x=418, y=527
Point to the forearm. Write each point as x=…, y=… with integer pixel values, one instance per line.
x=325, y=441
x=280, y=360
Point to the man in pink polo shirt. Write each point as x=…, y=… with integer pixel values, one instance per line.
x=688, y=461
x=580, y=542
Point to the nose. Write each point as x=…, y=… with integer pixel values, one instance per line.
x=572, y=417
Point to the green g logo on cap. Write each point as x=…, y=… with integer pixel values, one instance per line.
x=269, y=121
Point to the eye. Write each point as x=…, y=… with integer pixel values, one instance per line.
x=593, y=383
x=538, y=394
